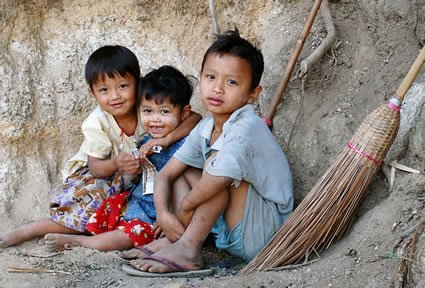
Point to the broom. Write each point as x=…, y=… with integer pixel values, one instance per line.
x=328, y=209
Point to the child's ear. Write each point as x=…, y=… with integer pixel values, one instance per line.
x=186, y=111
x=91, y=92
x=254, y=94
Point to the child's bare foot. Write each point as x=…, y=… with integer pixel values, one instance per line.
x=175, y=257
x=11, y=238
x=146, y=250
x=60, y=241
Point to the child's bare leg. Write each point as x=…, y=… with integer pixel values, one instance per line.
x=183, y=185
x=112, y=240
x=32, y=230
x=234, y=212
x=186, y=250
x=180, y=188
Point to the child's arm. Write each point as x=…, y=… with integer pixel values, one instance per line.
x=124, y=162
x=163, y=186
x=181, y=131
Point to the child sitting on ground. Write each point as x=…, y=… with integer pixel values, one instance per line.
x=164, y=102
x=104, y=165
x=232, y=173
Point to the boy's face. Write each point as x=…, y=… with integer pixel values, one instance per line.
x=116, y=95
x=225, y=84
x=160, y=119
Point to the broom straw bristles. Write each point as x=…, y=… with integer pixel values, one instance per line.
x=327, y=211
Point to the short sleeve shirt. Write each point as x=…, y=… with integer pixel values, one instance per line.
x=247, y=151
x=102, y=139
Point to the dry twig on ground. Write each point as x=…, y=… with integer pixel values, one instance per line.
x=404, y=272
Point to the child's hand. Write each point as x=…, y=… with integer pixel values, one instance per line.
x=147, y=148
x=157, y=230
x=127, y=163
x=171, y=226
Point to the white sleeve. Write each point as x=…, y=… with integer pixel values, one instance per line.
x=96, y=141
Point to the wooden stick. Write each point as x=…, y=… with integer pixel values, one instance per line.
x=411, y=75
x=33, y=270
x=293, y=60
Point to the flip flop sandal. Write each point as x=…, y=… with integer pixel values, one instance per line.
x=181, y=272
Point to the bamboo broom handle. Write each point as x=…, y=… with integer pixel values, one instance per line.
x=411, y=75
x=293, y=60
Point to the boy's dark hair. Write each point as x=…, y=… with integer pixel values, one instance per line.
x=111, y=60
x=232, y=43
x=166, y=82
